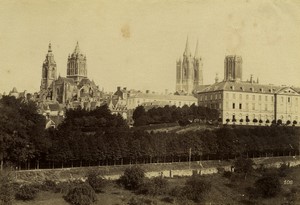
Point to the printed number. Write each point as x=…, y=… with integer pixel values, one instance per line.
x=288, y=182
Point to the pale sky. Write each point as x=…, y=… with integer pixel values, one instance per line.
x=135, y=44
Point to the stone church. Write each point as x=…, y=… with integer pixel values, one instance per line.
x=74, y=90
x=189, y=75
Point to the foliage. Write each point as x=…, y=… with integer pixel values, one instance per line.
x=26, y=192
x=243, y=165
x=182, y=115
x=132, y=178
x=283, y=170
x=6, y=189
x=96, y=181
x=81, y=194
x=141, y=201
x=268, y=186
x=154, y=186
x=196, y=187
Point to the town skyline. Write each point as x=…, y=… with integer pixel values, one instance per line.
x=136, y=44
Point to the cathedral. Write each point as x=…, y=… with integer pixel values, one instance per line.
x=74, y=90
x=189, y=74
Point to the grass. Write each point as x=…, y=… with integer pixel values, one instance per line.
x=223, y=191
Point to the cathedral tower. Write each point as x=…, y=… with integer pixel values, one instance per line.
x=189, y=71
x=233, y=68
x=76, y=68
x=49, y=70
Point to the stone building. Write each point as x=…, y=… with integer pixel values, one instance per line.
x=189, y=73
x=248, y=102
x=75, y=90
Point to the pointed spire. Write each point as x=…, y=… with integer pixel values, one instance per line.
x=187, y=51
x=197, y=50
x=49, y=47
x=77, y=50
x=216, y=78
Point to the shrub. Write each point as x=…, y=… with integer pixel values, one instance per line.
x=26, y=192
x=133, y=177
x=195, y=188
x=81, y=194
x=268, y=186
x=6, y=189
x=227, y=174
x=283, y=170
x=141, y=201
x=96, y=181
x=243, y=165
x=154, y=186
x=49, y=185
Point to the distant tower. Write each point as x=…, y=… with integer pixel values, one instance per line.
x=198, y=65
x=76, y=68
x=49, y=70
x=233, y=68
x=189, y=71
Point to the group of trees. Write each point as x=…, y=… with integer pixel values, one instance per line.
x=99, y=138
x=169, y=114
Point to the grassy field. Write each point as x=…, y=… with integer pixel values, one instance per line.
x=223, y=191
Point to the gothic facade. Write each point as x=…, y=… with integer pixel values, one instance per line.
x=75, y=90
x=189, y=74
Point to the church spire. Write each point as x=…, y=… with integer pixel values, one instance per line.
x=187, y=51
x=77, y=50
x=49, y=48
x=197, y=50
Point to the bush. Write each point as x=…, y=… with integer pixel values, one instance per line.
x=141, y=201
x=154, y=186
x=133, y=177
x=26, y=192
x=6, y=189
x=268, y=186
x=227, y=174
x=195, y=188
x=283, y=170
x=96, y=181
x=49, y=185
x=81, y=194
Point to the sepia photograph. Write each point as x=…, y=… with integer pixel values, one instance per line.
x=149, y=102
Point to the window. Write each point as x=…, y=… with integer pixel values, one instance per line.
x=226, y=95
x=253, y=97
x=272, y=98
x=266, y=107
x=233, y=105
x=247, y=106
x=240, y=106
x=247, y=97
x=226, y=105
x=233, y=95
x=282, y=99
x=259, y=97
x=241, y=97
x=266, y=98
x=253, y=106
x=289, y=99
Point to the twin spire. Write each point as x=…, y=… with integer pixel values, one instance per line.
x=187, y=51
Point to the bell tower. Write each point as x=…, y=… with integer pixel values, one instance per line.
x=76, y=68
x=49, y=70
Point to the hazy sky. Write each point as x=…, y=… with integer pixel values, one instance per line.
x=135, y=43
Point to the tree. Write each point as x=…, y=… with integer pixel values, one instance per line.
x=243, y=165
x=279, y=122
x=132, y=178
x=294, y=122
x=288, y=122
x=268, y=186
x=195, y=188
